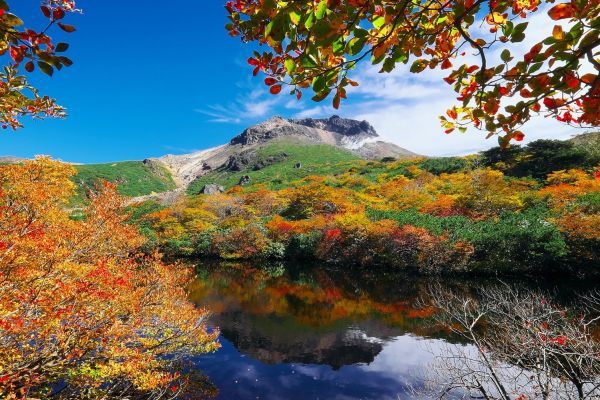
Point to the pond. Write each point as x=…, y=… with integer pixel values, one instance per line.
x=306, y=332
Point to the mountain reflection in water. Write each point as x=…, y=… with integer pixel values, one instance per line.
x=300, y=332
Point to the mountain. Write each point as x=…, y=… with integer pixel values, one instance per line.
x=349, y=136
x=276, y=150
x=10, y=160
x=589, y=142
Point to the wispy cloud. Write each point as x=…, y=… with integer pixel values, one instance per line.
x=253, y=104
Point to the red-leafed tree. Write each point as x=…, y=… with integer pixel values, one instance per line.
x=26, y=50
x=317, y=43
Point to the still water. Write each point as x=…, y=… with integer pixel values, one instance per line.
x=305, y=332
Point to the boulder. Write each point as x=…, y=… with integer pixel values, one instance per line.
x=244, y=180
x=212, y=189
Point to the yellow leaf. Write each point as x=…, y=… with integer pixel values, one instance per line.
x=495, y=18
x=557, y=32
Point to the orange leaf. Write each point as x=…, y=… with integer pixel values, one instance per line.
x=446, y=64
x=495, y=18
x=557, y=32
x=588, y=78
x=562, y=11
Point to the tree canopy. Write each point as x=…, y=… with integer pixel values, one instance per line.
x=317, y=43
x=27, y=50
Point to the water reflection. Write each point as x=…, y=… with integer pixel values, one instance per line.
x=299, y=332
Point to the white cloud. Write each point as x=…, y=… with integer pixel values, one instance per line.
x=254, y=102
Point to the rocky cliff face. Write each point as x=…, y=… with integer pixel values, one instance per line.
x=342, y=126
x=336, y=131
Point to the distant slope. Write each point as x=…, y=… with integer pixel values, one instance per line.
x=133, y=178
x=10, y=160
x=275, y=164
x=589, y=142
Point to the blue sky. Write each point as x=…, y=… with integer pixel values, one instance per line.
x=152, y=78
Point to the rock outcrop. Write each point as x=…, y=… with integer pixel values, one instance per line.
x=244, y=180
x=336, y=131
x=342, y=126
x=212, y=189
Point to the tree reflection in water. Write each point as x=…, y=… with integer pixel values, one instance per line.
x=297, y=331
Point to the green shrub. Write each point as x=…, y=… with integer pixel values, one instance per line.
x=513, y=242
x=445, y=165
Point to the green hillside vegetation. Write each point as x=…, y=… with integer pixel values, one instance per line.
x=541, y=157
x=133, y=178
x=274, y=166
x=589, y=142
x=314, y=159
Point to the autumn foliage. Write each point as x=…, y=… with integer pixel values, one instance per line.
x=475, y=218
x=27, y=50
x=82, y=314
x=317, y=45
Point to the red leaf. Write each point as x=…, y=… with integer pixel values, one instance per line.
x=450, y=80
x=571, y=81
x=58, y=13
x=275, y=89
x=16, y=54
x=553, y=103
x=46, y=11
x=253, y=61
x=519, y=136
x=270, y=81
x=336, y=101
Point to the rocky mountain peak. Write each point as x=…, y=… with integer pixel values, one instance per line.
x=342, y=126
x=340, y=130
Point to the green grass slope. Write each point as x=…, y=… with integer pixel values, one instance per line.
x=315, y=159
x=133, y=178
